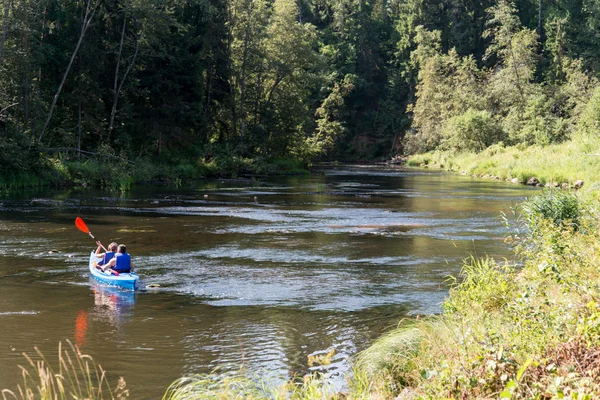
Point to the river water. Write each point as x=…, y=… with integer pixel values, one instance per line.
x=253, y=274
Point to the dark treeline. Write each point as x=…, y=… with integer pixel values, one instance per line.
x=177, y=81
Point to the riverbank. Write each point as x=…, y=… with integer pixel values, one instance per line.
x=121, y=175
x=553, y=165
x=509, y=331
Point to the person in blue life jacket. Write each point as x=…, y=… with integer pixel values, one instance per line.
x=121, y=262
x=108, y=255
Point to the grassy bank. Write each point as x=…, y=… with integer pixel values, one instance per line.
x=121, y=174
x=508, y=331
x=566, y=162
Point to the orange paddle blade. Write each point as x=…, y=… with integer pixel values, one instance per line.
x=81, y=225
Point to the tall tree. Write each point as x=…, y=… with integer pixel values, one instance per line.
x=90, y=10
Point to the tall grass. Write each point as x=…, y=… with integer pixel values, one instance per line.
x=241, y=385
x=76, y=376
x=559, y=207
x=21, y=180
x=526, y=331
x=566, y=162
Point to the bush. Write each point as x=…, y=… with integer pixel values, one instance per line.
x=472, y=131
x=560, y=207
x=539, y=125
x=485, y=284
x=589, y=122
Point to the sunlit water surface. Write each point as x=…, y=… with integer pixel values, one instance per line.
x=259, y=274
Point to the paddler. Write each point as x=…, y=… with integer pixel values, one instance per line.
x=121, y=262
x=109, y=255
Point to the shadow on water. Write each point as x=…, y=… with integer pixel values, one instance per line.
x=259, y=274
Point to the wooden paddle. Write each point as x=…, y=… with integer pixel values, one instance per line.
x=83, y=228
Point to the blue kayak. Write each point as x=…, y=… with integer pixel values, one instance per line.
x=125, y=280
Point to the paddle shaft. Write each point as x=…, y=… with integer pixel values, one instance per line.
x=80, y=224
x=101, y=245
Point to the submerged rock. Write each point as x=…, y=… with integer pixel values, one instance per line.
x=153, y=286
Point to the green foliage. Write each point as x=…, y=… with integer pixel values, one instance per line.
x=240, y=385
x=589, y=123
x=471, y=131
x=76, y=376
x=213, y=387
x=484, y=284
x=512, y=331
x=560, y=207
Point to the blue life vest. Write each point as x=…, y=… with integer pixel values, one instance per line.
x=107, y=257
x=123, y=262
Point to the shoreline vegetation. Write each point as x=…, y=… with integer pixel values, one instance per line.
x=122, y=175
x=565, y=165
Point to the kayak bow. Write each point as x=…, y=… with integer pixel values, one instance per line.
x=125, y=280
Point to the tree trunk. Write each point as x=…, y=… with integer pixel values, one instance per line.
x=117, y=89
x=243, y=73
x=26, y=72
x=512, y=54
x=79, y=130
x=115, y=95
x=232, y=23
x=89, y=14
x=540, y=19
x=4, y=27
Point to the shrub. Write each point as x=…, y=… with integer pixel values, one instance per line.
x=485, y=284
x=560, y=207
x=472, y=131
x=589, y=122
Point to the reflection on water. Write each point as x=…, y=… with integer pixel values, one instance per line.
x=111, y=304
x=255, y=274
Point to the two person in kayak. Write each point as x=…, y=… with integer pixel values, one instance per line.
x=115, y=259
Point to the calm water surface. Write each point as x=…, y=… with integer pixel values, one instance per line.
x=255, y=274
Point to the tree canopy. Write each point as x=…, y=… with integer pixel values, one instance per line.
x=173, y=80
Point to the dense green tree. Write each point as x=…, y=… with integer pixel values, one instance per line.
x=176, y=81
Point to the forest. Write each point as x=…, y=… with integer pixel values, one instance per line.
x=143, y=88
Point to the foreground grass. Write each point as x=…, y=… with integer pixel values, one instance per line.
x=507, y=331
x=76, y=376
x=567, y=162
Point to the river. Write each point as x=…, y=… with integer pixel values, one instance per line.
x=257, y=274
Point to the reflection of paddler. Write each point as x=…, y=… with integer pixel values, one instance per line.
x=106, y=298
x=110, y=303
x=81, y=326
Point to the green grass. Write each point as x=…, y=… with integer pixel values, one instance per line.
x=76, y=376
x=509, y=331
x=21, y=180
x=567, y=162
x=241, y=386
